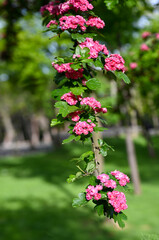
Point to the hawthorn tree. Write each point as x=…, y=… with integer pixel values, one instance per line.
x=76, y=81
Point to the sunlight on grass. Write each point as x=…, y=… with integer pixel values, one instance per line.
x=35, y=200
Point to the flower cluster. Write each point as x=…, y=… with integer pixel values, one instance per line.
x=94, y=104
x=95, y=22
x=144, y=47
x=70, y=98
x=95, y=47
x=117, y=200
x=83, y=127
x=72, y=22
x=92, y=192
x=133, y=65
x=52, y=22
x=123, y=178
x=58, y=9
x=146, y=34
x=69, y=72
x=62, y=68
x=109, y=183
x=74, y=74
x=82, y=5
x=75, y=116
x=114, y=62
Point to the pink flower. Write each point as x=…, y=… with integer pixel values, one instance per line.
x=123, y=178
x=144, y=47
x=114, y=62
x=103, y=177
x=52, y=22
x=94, y=47
x=62, y=68
x=95, y=22
x=145, y=34
x=110, y=184
x=82, y=5
x=89, y=196
x=75, y=116
x=70, y=98
x=133, y=65
x=83, y=128
x=117, y=200
x=72, y=22
x=74, y=74
x=97, y=196
x=157, y=35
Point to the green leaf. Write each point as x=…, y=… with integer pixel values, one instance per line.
x=121, y=76
x=100, y=129
x=93, y=84
x=110, y=4
x=92, y=181
x=119, y=218
x=79, y=37
x=98, y=63
x=71, y=178
x=55, y=122
x=90, y=166
x=58, y=93
x=78, y=174
x=85, y=52
x=78, y=50
x=89, y=154
x=99, y=209
x=77, y=90
x=64, y=108
x=80, y=201
x=75, y=66
x=100, y=141
x=71, y=138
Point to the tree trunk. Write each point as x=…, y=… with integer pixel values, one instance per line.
x=44, y=126
x=133, y=162
x=34, y=131
x=9, y=129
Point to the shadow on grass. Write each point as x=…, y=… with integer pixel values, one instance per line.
x=35, y=219
x=55, y=167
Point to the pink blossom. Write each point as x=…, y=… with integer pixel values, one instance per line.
x=94, y=47
x=133, y=65
x=103, y=177
x=97, y=196
x=123, y=178
x=75, y=116
x=70, y=98
x=114, y=62
x=72, y=22
x=74, y=74
x=117, y=200
x=52, y=22
x=145, y=34
x=144, y=47
x=84, y=82
x=95, y=22
x=92, y=191
x=83, y=128
x=82, y=5
x=76, y=55
x=62, y=68
x=110, y=184
x=157, y=35
x=89, y=196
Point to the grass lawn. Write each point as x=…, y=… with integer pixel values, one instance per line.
x=35, y=200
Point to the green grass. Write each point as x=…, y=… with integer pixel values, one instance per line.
x=35, y=200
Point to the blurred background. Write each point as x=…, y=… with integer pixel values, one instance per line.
x=35, y=199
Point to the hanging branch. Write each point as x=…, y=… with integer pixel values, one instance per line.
x=76, y=81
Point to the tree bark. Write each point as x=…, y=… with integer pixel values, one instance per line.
x=132, y=162
x=44, y=126
x=34, y=131
x=9, y=129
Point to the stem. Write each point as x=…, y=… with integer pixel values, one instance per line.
x=80, y=169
